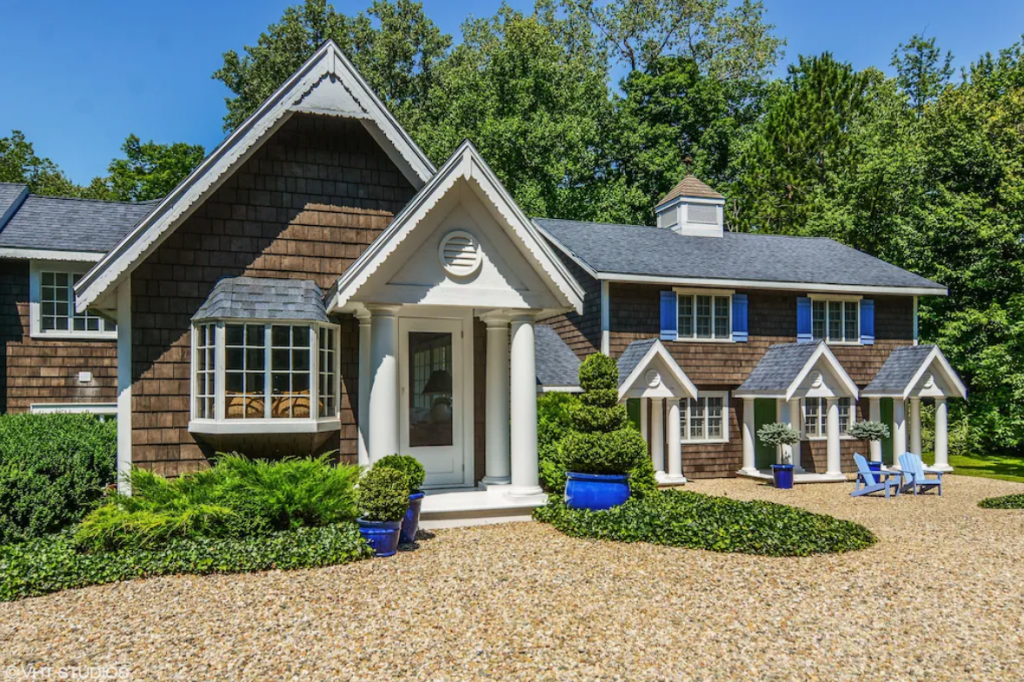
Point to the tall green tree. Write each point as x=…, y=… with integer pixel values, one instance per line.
x=147, y=171
x=20, y=163
x=922, y=70
x=395, y=47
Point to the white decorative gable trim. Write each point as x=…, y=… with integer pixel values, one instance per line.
x=822, y=352
x=326, y=84
x=465, y=164
x=646, y=379
x=952, y=379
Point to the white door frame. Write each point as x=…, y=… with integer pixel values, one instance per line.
x=460, y=325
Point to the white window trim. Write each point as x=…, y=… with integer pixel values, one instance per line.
x=274, y=425
x=36, y=268
x=693, y=294
x=823, y=298
x=102, y=409
x=823, y=419
x=684, y=416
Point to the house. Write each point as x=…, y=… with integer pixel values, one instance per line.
x=317, y=284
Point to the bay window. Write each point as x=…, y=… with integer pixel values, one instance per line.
x=835, y=321
x=704, y=420
x=266, y=372
x=704, y=316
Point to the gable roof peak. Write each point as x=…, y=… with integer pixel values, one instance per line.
x=690, y=186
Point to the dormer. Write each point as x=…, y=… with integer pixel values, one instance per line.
x=692, y=208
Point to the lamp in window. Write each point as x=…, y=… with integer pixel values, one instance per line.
x=440, y=384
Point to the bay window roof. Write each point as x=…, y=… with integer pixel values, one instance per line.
x=263, y=298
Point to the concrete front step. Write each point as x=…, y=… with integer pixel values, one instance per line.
x=476, y=507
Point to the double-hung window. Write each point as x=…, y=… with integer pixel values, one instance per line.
x=816, y=417
x=835, y=321
x=704, y=419
x=52, y=303
x=705, y=316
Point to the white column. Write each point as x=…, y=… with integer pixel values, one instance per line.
x=498, y=470
x=384, y=406
x=364, y=380
x=124, y=386
x=833, y=463
x=899, y=430
x=525, y=476
x=748, y=437
x=875, y=415
x=658, y=436
x=795, y=418
x=915, y=426
x=941, y=436
x=674, y=436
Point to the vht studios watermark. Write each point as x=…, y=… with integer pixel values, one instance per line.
x=67, y=672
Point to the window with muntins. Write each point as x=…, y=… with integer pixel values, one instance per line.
x=703, y=420
x=816, y=417
x=258, y=370
x=57, y=308
x=835, y=321
x=704, y=317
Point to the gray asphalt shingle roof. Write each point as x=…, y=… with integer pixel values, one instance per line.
x=632, y=356
x=658, y=252
x=10, y=193
x=63, y=224
x=899, y=369
x=779, y=367
x=557, y=365
x=263, y=298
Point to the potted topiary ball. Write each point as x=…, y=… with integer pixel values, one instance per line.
x=778, y=436
x=601, y=447
x=383, y=497
x=870, y=431
x=415, y=474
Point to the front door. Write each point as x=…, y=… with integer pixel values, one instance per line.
x=433, y=397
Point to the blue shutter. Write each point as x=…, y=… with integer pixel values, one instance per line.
x=669, y=316
x=803, y=320
x=867, y=322
x=739, y=318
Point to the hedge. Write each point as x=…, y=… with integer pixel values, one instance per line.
x=52, y=563
x=719, y=524
x=1004, y=502
x=53, y=469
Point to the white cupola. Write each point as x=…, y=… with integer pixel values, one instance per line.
x=692, y=208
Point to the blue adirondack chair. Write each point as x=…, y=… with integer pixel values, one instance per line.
x=915, y=474
x=869, y=481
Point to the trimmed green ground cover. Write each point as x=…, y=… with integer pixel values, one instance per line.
x=1004, y=502
x=986, y=466
x=720, y=524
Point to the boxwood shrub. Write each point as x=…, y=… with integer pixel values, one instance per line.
x=383, y=494
x=53, y=469
x=1004, y=502
x=720, y=524
x=52, y=563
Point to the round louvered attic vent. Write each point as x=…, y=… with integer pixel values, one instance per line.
x=653, y=378
x=460, y=253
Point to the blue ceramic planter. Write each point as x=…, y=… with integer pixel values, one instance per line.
x=783, y=474
x=596, y=491
x=382, y=536
x=411, y=522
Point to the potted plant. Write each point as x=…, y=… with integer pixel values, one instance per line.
x=870, y=431
x=383, y=497
x=601, y=447
x=779, y=436
x=414, y=474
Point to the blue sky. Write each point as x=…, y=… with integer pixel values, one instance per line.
x=79, y=76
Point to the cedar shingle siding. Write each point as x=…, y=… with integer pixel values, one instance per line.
x=46, y=370
x=304, y=206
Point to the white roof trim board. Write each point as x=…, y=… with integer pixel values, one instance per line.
x=658, y=350
x=47, y=254
x=465, y=163
x=344, y=93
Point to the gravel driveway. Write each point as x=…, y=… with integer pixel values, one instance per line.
x=941, y=597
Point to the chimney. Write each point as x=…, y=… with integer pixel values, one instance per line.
x=692, y=208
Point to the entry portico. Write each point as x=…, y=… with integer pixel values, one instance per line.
x=460, y=252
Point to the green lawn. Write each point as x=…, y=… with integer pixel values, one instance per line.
x=990, y=466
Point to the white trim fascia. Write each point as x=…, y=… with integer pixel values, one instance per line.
x=761, y=284
x=658, y=350
x=234, y=151
x=851, y=298
x=823, y=351
x=465, y=163
x=559, y=389
x=233, y=427
x=107, y=409
x=683, y=199
x=47, y=254
x=705, y=292
x=936, y=355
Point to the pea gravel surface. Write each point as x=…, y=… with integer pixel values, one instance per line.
x=940, y=597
